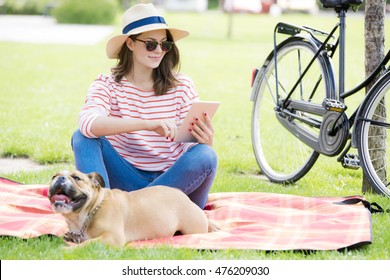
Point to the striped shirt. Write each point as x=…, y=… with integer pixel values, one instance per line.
x=145, y=150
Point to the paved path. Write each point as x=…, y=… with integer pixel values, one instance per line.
x=9, y=165
x=45, y=30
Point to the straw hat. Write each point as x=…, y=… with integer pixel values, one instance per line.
x=138, y=19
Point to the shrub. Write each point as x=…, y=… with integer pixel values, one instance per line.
x=86, y=11
x=26, y=7
x=213, y=4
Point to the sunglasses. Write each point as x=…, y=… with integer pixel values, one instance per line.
x=166, y=46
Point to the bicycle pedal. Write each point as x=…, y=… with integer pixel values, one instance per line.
x=351, y=161
x=334, y=105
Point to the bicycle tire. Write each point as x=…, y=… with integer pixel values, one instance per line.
x=281, y=156
x=375, y=157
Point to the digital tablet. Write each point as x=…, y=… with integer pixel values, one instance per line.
x=196, y=111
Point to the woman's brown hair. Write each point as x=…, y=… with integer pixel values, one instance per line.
x=164, y=76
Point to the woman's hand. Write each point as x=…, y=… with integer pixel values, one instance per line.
x=165, y=127
x=203, y=130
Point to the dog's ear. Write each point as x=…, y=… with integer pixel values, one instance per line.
x=96, y=179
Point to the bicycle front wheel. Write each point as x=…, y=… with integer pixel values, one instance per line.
x=373, y=137
x=281, y=156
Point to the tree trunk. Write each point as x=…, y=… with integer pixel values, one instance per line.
x=374, y=53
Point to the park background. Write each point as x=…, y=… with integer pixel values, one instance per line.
x=43, y=87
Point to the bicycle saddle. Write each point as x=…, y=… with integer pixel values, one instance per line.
x=340, y=3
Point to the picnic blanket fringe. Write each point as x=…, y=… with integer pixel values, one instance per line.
x=248, y=220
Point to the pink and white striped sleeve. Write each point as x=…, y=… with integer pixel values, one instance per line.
x=97, y=104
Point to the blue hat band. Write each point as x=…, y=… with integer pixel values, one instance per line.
x=142, y=22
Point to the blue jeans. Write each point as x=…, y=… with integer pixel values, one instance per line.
x=193, y=172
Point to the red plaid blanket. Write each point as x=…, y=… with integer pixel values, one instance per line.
x=262, y=221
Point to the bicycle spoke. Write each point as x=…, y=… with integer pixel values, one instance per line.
x=300, y=74
x=273, y=95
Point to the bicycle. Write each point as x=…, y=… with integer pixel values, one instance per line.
x=294, y=95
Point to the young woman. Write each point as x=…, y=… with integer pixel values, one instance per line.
x=128, y=124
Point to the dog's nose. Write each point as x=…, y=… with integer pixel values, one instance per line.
x=61, y=179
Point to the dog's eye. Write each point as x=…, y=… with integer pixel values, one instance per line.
x=76, y=178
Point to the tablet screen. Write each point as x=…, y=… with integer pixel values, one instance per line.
x=196, y=111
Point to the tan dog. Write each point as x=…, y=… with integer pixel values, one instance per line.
x=117, y=217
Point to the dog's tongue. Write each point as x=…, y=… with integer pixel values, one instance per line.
x=59, y=197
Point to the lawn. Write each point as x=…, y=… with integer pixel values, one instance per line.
x=42, y=89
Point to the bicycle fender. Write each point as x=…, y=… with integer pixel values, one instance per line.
x=362, y=106
x=256, y=82
x=354, y=133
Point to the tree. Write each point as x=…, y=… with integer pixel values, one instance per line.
x=374, y=31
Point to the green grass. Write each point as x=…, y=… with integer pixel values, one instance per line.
x=42, y=89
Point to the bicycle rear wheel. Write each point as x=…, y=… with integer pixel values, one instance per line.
x=281, y=156
x=373, y=137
